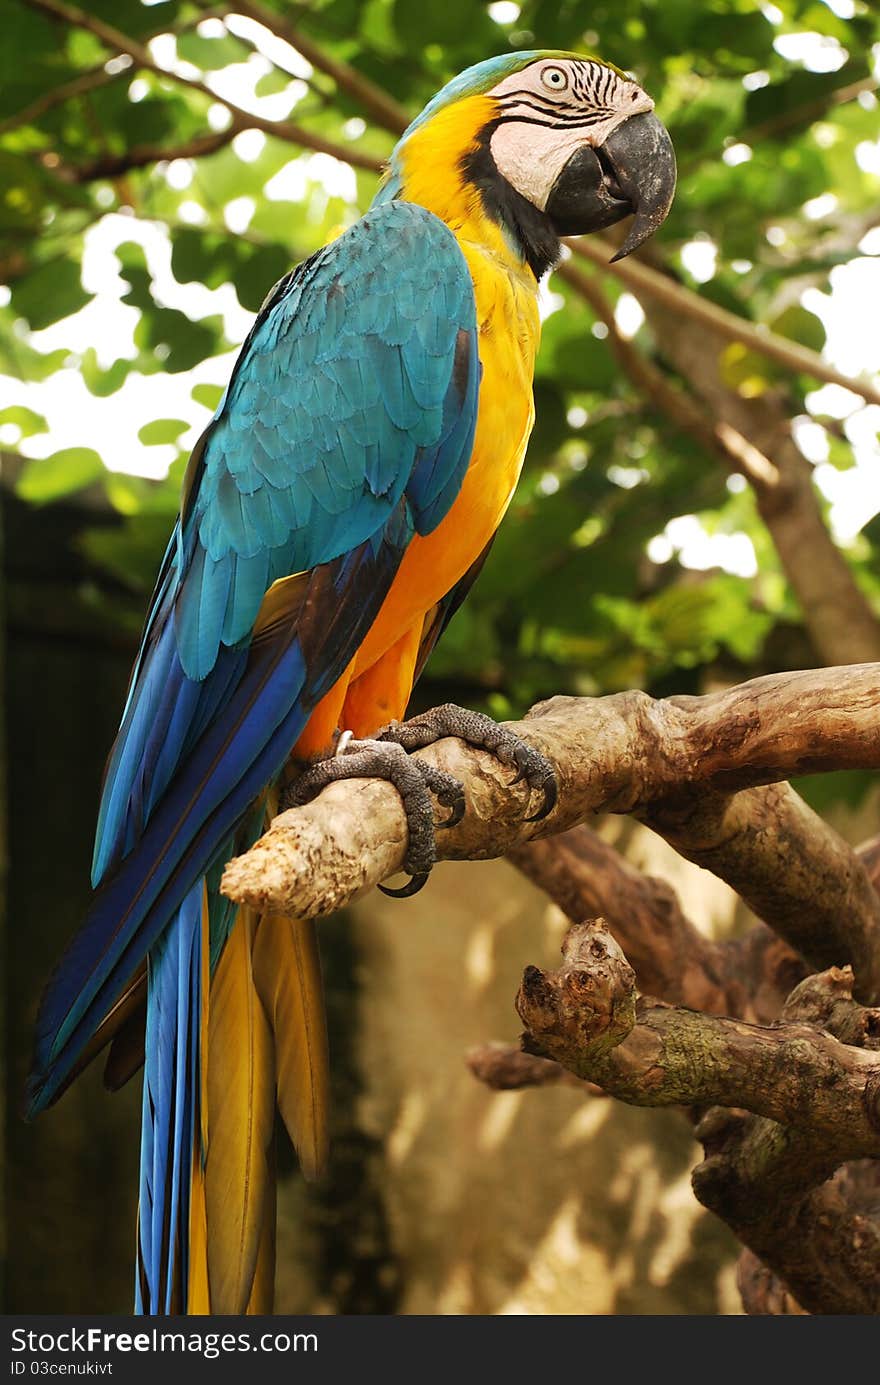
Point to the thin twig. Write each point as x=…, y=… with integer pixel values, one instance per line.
x=286, y=130
x=808, y=112
x=143, y=155
x=720, y=438
x=642, y=279
x=90, y=80
x=374, y=101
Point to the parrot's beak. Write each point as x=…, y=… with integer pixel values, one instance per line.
x=632, y=172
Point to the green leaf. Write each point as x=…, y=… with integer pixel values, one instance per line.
x=272, y=83
x=801, y=326
x=209, y=395
x=50, y=292
x=24, y=419
x=211, y=54
x=173, y=342
x=100, y=381
x=162, y=431
x=50, y=478
x=133, y=267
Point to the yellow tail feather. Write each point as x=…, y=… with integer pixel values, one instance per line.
x=287, y=975
x=197, y=1296
x=239, y=1171
x=263, y=1036
x=262, y=1299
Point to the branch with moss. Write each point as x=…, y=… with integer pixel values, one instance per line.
x=744, y=978
x=748, y=978
x=785, y=1105
x=588, y=1017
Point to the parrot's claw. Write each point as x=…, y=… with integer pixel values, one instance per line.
x=414, y=780
x=482, y=733
x=388, y=757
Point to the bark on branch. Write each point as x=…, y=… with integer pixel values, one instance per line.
x=684, y=765
x=785, y=1105
x=588, y=1017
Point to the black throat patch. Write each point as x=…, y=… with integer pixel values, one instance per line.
x=532, y=229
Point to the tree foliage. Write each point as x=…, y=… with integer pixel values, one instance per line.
x=107, y=110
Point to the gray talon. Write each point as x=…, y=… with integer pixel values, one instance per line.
x=412, y=886
x=388, y=756
x=414, y=781
x=483, y=733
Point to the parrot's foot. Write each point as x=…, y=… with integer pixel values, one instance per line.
x=414, y=780
x=483, y=734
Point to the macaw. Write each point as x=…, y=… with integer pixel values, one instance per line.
x=334, y=514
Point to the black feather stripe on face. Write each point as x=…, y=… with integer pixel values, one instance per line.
x=581, y=120
x=589, y=100
x=531, y=228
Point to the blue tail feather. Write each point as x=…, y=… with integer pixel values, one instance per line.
x=174, y=1004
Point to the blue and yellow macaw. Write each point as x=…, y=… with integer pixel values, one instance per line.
x=334, y=514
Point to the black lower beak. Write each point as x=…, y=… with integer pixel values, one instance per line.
x=631, y=173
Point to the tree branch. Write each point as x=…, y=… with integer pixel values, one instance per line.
x=117, y=41
x=745, y=434
x=143, y=155
x=90, y=79
x=822, y=1240
x=815, y=1104
x=793, y=870
x=747, y=978
x=87, y=81
x=374, y=101
x=587, y=1017
x=808, y=112
x=676, y=763
x=645, y=281
x=505, y=1069
x=735, y=451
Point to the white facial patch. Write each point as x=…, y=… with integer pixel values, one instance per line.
x=549, y=111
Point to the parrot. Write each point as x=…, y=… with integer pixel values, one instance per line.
x=334, y=514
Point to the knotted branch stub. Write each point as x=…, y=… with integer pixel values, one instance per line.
x=791, y=1115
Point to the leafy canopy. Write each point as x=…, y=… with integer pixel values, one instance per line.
x=774, y=115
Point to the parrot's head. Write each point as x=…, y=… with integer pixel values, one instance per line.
x=556, y=144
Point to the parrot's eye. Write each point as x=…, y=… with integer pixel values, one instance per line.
x=554, y=78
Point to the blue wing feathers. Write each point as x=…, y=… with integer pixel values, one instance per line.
x=236, y=757
x=346, y=427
